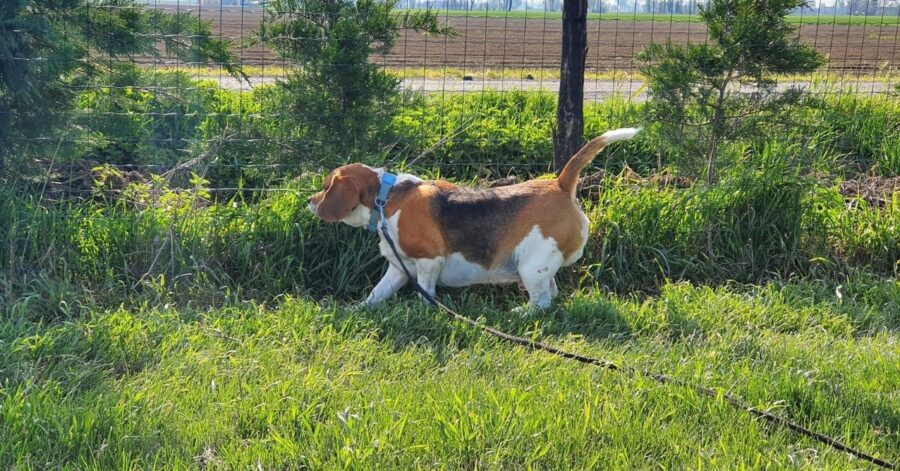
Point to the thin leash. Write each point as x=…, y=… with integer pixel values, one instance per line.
x=735, y=401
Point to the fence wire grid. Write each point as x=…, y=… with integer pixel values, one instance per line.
x=509, y=46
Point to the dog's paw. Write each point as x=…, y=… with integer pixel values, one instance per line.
x=527, y=310
x=427, y=302
x=520, y=311
x=360, y=306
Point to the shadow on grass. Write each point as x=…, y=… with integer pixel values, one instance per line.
x=405, y=320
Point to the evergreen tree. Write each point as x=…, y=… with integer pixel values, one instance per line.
x=704, y=95
x=52, y=49
x=337, y=97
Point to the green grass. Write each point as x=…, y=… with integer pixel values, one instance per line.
x=513, y=132
x=313, y=385
x=170, y=327
x=181, y=246
x=160, y=331
x=806, y=18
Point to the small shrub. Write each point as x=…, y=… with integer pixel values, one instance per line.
x=74, y=42
x=338, y=99
x=854, y=230
x=127, y=122
x=695, y=100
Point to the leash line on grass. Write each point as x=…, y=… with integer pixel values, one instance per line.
x=735, y=401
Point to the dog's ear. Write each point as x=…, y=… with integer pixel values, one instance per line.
x=339, y=200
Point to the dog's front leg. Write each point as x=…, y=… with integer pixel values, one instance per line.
x=393, y=280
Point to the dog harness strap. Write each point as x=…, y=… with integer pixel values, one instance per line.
x=387, y=182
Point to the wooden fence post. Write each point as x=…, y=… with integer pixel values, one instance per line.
x=568, y=136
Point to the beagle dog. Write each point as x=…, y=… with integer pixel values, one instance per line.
x=452, y=236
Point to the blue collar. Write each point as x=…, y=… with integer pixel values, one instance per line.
x=387, y=182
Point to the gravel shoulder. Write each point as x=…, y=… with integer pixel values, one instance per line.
x=594, y=90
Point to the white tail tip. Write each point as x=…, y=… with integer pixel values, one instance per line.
x=620, y=134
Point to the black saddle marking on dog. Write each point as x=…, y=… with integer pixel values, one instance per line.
x=401, y=189
x=474, y=221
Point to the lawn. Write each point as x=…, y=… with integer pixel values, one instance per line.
x=160, y=324
x=167, y=299
x=312, y=384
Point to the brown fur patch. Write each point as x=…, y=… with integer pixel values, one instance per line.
x=419, y=232
x=344, y=189
x=338, y=200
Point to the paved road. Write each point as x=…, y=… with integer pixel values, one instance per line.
x=594, y=90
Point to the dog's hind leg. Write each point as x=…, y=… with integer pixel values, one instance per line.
x=427, y=272
x=539, y=260
x=394, y=279
x=538, y=276
x=539, y=293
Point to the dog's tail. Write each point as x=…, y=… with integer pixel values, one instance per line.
x=568, y=178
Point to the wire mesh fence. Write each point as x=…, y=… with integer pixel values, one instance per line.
x=189, y=171
x=511, y=50
x=179, y=184
x=496, y=47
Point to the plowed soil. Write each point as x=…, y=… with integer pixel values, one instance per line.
x=498, y=43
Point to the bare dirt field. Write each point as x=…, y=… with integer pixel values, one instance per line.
x=499, y=43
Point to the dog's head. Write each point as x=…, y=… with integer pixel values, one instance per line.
x=348, y=195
